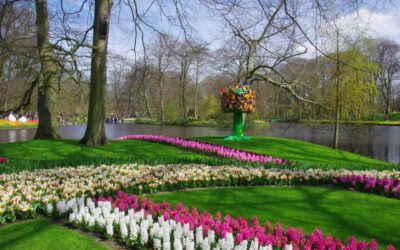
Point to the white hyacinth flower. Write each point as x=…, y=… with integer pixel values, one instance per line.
x=211, y=236
x=244, y=244
x=205, y=245
x=178, y=244
x=123, y=229
x=186, y=229
x=49, y=208
x=133, y=230
x=78, y=217
x=157, y=244
x=254, y=245
x=110, y=229
x=144, y=237
x=166, y=245
x=199, y=235
x=288, y=247
x=190, y=245
x=72, y=217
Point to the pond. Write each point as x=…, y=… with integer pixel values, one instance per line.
x=379, y=142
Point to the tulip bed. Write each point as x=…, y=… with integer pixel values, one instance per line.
x=6, y=124
x=26, y=193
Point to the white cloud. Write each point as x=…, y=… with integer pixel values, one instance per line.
x=376, y=24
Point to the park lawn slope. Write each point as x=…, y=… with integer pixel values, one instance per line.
x=38, y=154
x=70, y=149
x=296, y=150
x=40, y=234
x=336, y=211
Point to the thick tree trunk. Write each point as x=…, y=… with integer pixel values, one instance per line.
x=47, y=90
x=95, y=134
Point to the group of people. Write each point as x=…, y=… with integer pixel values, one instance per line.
x=20, y=117
x=61, y=118
x=113, y=119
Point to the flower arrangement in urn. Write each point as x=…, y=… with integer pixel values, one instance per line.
x=237, y=99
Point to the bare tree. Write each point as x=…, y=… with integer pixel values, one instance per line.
x=199, y=57
x=162, y=54
x=387, y=56
x=184, y=56
x=19, y=64
x=268, y=36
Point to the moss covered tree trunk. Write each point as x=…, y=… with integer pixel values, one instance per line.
x=47, y=89
x=95, y=134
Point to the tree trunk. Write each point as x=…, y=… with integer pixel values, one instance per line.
x=389, y=97
x=196, y=90
x=146, y=102
x=161, y=93
x=184, y=99
x=183, y=92
x=95, y=134
x=337, y=111
x=47, y=90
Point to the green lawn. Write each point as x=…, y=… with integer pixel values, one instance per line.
x=295, y=150
x=36, y=154
x=40, y=234
x=339, y=212
x=70, y=149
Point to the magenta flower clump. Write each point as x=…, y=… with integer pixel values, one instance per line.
x=3, y=160
x=386, y=186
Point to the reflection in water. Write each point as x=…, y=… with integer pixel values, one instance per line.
x=379, y=142
x=23, y=135
x=12, y=134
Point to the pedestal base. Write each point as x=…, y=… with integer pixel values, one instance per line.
x=234, y=137
x=238, y=125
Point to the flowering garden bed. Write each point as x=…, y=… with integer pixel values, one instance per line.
x=207, y=148
x=6, y=124
x=26, y=193
x=157, y=225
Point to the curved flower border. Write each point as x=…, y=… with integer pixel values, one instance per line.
x=24, y=194
x=145, y=224
x=206, y=147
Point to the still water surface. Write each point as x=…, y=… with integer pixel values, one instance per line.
x=379, y=142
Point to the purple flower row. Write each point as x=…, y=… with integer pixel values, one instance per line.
x=386, y=186
x=207, y=147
